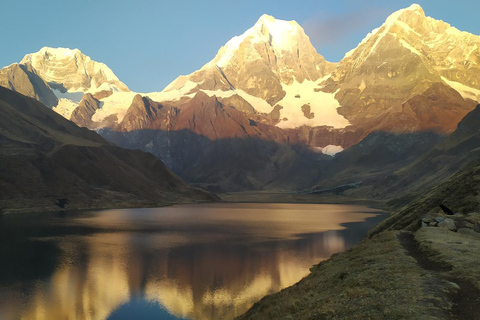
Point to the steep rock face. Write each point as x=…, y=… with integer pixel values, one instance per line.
x=402, y=59
x=24, y=80
x=82, y=115
x=45, y=157
x=144, y=113
x=439, y=108
x=72, y=71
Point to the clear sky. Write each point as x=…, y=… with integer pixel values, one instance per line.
x=148, y=43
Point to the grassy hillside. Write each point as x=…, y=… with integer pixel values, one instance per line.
x=404, y=271
x=44, y=157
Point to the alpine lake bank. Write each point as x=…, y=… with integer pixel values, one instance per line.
x=419, y=263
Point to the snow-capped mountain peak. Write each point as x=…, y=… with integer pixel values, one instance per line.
x=444, y=46
x=279, y=32
x=271, y=65
x=281, y=35
x=72, y=71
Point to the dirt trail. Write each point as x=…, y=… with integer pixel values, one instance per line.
x=465, y=300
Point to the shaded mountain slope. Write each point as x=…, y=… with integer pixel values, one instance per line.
x=45, y=157
x=442, y=161
x=365, y=165
x=232, y=153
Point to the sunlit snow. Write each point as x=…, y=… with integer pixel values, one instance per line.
x=65, y=107
x=323, y=105
x=465, y=91
x=279, y=34
x=330, y=150
x=117, y=103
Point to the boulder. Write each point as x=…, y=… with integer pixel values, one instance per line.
x=439, y=219
x=448, y=224
x=428, y=220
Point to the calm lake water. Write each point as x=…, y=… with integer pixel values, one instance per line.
x=209, y=261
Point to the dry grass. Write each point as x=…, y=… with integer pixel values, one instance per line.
x=461, y=251
x=374, y=280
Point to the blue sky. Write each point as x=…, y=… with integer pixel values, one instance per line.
x=148, y=43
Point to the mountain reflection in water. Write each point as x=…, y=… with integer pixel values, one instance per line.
x=209, y=261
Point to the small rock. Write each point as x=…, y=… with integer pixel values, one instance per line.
x=454, y=286
x=428, y=220
x=439, y=219
x=448, y=224
x=433, y=224
x=424, y=225
x=476, y=227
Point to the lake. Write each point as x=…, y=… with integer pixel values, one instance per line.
x=202, y=261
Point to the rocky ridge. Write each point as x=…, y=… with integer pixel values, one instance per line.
x=407, y=56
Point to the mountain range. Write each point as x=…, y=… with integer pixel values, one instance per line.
x=269, y=112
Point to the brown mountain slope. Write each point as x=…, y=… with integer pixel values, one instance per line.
x=45, y=157
x=215, y=145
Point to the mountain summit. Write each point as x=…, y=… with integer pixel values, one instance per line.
x=282, y=45
x=71, y=70
x=273, y=68
x=410, y=55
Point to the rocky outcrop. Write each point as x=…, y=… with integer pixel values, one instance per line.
x=87, y=107
x=24, y=80
x=144, y=113
x=463, y=223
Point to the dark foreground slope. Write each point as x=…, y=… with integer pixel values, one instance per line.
x=44, y=157
x=410, y=267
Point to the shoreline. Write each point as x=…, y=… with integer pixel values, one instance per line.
x=289, y=197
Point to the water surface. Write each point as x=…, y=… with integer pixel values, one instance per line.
x=209, y=261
